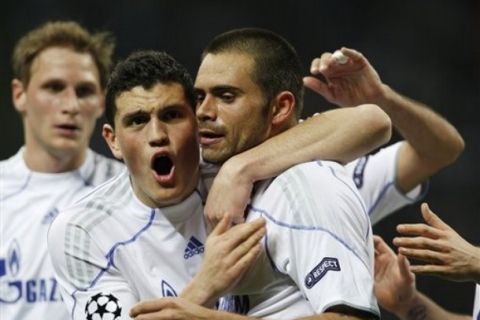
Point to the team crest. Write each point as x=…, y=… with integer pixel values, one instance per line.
x=317, y=273
x=167, y=290
x=103, y=306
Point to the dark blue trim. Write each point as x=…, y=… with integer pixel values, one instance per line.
x=110, y=257
x=355, y=192
x=380, y=196
x=308, y=228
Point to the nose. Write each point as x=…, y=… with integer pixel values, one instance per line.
x=207, y=109
x=158, y=135
x=70, y=103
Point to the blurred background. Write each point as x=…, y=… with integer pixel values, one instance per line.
x=428, y=50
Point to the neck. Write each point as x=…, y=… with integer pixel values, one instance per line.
x=50, y=162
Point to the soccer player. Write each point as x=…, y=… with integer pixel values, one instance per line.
x=60, y=74
x=143, y=234
x=229, y=100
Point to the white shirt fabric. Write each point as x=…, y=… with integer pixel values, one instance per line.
x=375, y=178
x=476, y=303
x=29, y=201
x=111, y=249
x=318, y=250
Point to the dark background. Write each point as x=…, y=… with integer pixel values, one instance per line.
x=428, y=50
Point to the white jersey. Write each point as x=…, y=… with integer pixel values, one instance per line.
x=318, y=250
x=111, y=251
x=29, y=201
x=476, y=303
x=374, y=176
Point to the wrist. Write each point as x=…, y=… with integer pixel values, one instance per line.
x=241, y=168
x=410, y=305
x=199, y=292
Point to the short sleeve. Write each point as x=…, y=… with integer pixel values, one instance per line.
x=375, y=177
x=319, y=234
x=89, y=282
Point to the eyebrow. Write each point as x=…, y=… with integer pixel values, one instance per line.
x=220, y=89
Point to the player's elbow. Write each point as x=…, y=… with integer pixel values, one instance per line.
x=379, y=122
x=456, y=146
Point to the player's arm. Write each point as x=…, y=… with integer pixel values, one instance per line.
x=339, y=135
x=432, y=143
x=396, y=291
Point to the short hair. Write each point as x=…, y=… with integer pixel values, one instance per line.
x=68, y=34
x=145, y=68
x=277, y=66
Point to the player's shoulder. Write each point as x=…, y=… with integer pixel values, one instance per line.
x=99, y=168
x=315, y=173
x=99, y=204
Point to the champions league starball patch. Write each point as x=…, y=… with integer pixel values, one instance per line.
x=103, y=306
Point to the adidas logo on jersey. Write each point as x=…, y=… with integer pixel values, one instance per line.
x=194, y=247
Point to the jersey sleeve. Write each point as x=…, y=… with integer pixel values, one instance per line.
x=90, y=284
x=321, y=237
x=375, y=177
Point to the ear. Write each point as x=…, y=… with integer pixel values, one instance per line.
x=108, y=134
x=283, y=109
x=19, y=96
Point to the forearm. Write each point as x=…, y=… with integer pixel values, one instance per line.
x=430, y=135
x=340, y=135
x=423, y=308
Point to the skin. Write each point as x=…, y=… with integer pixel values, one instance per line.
x=431, y=142
x=151, y=122
x=396, y=291
x=59, y=108
x=230, y=106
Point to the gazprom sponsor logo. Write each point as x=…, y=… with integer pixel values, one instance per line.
x=317, y=273
x=15, y=289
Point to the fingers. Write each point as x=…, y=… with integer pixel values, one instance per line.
x=423, y=255
x=150, y=306
x=317, y=86
x=352, y=54
x=242, y=232
x=249, y=248
x=223, y=225
x=419, y=229
x=432, y=219
x=404, y=268
x=381, y=247
x=421, y=243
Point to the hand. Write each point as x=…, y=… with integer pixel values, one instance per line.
x=169, y=308
x=230, y=194
x=447, y=254
x=229, y=252
x=394, y=283
x=353, y=83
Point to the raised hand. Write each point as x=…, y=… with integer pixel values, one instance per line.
x=347, y=84
x=445, y=252
x=394, y=283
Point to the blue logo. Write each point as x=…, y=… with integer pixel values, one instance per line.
x=31, y=290
x=317, y=273
x=167, y=290
x=194, y=247
x=50, y=216
x=359, y=171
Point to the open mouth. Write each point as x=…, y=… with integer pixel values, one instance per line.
x=162, y=164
